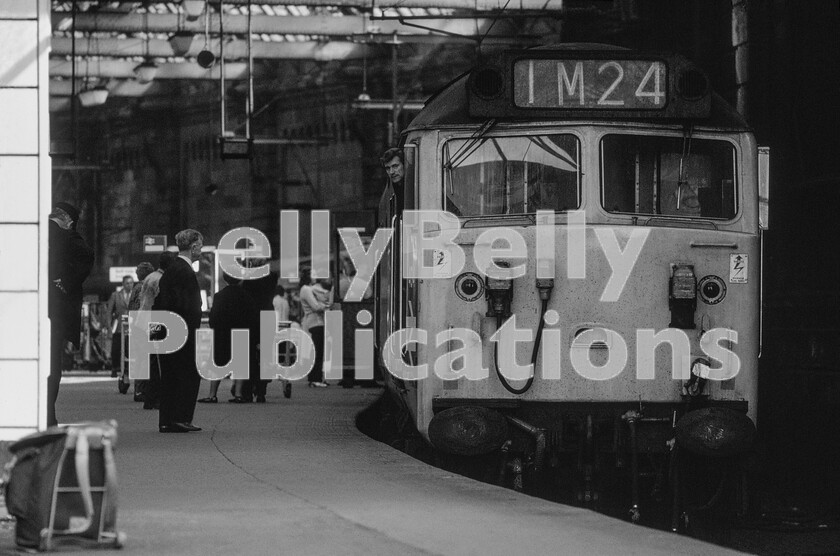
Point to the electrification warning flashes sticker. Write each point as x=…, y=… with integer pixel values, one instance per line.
x=442, y=263
x=738, y=268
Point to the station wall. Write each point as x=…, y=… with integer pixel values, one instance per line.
x=161, y=171
x=25, y=193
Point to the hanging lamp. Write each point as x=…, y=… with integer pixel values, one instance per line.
x=146, y=71
x=181, y=40
x=95, y=96
x=193, y=9
x=92, y=96
x=364, y=96
x=206, y=58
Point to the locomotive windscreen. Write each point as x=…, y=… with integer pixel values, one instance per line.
x=511, y=175
x=668, y=176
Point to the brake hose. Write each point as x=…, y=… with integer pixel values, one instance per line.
x=502, y=379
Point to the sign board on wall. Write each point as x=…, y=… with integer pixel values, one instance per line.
x=116, y=273
x=154, y=243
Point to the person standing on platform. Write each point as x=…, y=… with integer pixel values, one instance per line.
x=261, y=291
x=148, y=293
x=179, y=293
x=283, y=311
x=281, y=304
x=116, y=308
x=70, y=262
x=314, y=301
x=233, y=308
x=150, y=287
x=348, y=272
x=142, y=271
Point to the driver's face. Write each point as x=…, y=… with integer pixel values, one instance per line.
x=395, y=170
x=688, y=196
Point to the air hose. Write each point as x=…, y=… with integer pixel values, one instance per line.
x=502, y=379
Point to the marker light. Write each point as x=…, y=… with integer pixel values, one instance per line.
x=499, y=294
x=693, y=84
x=682, y=297
x=683, y=282
x=487, y=82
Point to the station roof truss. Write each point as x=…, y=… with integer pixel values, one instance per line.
x=100, y=43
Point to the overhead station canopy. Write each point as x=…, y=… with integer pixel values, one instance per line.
x=103, y=43
x=571, y=83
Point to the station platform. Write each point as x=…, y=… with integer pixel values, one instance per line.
x=295, y=476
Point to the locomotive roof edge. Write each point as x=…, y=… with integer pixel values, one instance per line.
x=450, y=105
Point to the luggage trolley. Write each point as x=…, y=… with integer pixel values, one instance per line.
x=63, y=488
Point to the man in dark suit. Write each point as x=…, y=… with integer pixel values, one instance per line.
x=261, y=291
x=180, y=294
x=233, y=308
x=70, y=262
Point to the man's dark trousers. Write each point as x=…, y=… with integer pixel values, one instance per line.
x=179, y=384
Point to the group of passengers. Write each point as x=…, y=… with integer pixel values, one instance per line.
x=174, y=381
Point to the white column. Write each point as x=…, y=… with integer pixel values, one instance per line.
x=25, y=191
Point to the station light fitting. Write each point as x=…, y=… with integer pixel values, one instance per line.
x=95, y=96
x=146, y=72
x=193, y=9
x=181, y=41
x=205, y=59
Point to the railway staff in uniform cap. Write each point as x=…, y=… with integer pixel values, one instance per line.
x=70, y=262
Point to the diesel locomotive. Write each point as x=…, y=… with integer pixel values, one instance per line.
x=610, y=206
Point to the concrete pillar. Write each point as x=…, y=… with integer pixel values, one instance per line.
x=25, y=191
